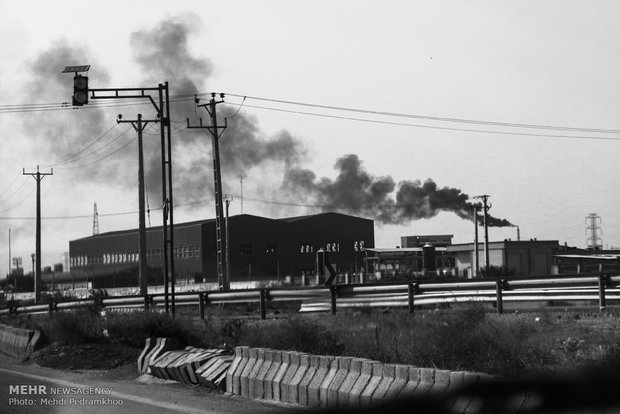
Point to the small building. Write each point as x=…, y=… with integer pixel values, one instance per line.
x=512, y=258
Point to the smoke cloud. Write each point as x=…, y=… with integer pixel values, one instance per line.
x=163, y=54
x=357, y=192
x=57, y=134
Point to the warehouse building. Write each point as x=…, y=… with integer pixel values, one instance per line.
x=259, y=249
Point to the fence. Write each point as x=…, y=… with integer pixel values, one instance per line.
x=592, y=289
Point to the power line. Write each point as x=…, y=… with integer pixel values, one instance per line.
x=433, y=118
x=435, y=127
x=70, y=157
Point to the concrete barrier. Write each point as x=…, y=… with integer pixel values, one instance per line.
x=277, y=379
x=294, y=385
x=17, y=342
x=244, y=378
x=213, y=373
x=233, y=369
x=373, y=383
x=361, y=383
x=285, y=384
x=236, y=375
x=340, y=382
x=314, y=388
x=257, y=383
x=355, y=370
x=388, y=377
x=302, y=388
x=276, y=362
x=342, y=370
x=401, y=378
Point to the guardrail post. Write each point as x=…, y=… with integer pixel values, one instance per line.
x=201, y=304
x=333, y=292
x=602, y=281
x=52, y=307
x=411, y=290
x=146, y=302
x=499, y=284
x=263, y=303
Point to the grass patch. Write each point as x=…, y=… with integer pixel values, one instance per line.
x=470, y=340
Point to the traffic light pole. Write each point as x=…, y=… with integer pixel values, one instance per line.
x=38, y=176
x=222, y=277
x=163, y=117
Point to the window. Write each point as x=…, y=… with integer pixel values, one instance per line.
x=306, y=247
x=246, y=249
x=332, y=247
x=273, y=248
x=190, y=251
x=197, y=250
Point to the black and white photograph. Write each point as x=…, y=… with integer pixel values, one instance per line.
x=269, y=206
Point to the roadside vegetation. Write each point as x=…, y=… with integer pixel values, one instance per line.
x=471, y=339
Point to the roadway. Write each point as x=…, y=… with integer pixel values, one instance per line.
x=27, y=388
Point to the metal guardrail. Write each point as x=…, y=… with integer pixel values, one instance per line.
x=598, y=288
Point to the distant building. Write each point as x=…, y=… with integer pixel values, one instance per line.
x=516, y=258
x=259, y=248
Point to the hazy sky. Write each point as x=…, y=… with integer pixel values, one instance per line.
x=543, y=77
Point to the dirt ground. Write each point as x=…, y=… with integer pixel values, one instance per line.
x=94, y=355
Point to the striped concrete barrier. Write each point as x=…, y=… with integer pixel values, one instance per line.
x=302, y=388
x=344, y=392
x=294, y=384
x=387, y=379
x=361, y=383
x=276, y=363
x=277, y=379
x=161, y=346
x=257, y=383
x=314, y=388
x=17, y=342
x=285, y=384
x=375, y=379
x=233, y=369
x=213, y=372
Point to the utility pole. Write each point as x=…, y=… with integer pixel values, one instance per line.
x=219, y=213
x=38, y=176
x=139, y=125
x=486, y=206
x=476, y=265
x=594, y=242
x=228, y=199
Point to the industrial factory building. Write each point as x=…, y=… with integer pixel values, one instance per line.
x=514, y=258
x=259, y=249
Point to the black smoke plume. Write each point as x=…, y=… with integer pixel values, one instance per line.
x=57, y=134
x=357, y=192
x=163, y=54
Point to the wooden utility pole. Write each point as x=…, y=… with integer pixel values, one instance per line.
x=215, y=129
x=38, y=176
x=139, y=126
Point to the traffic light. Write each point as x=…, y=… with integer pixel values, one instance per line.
x=80, y=90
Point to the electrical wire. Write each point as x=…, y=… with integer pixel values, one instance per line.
x=435, y=127
x=99, y=159
x=426, y=117
x=68, y=159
